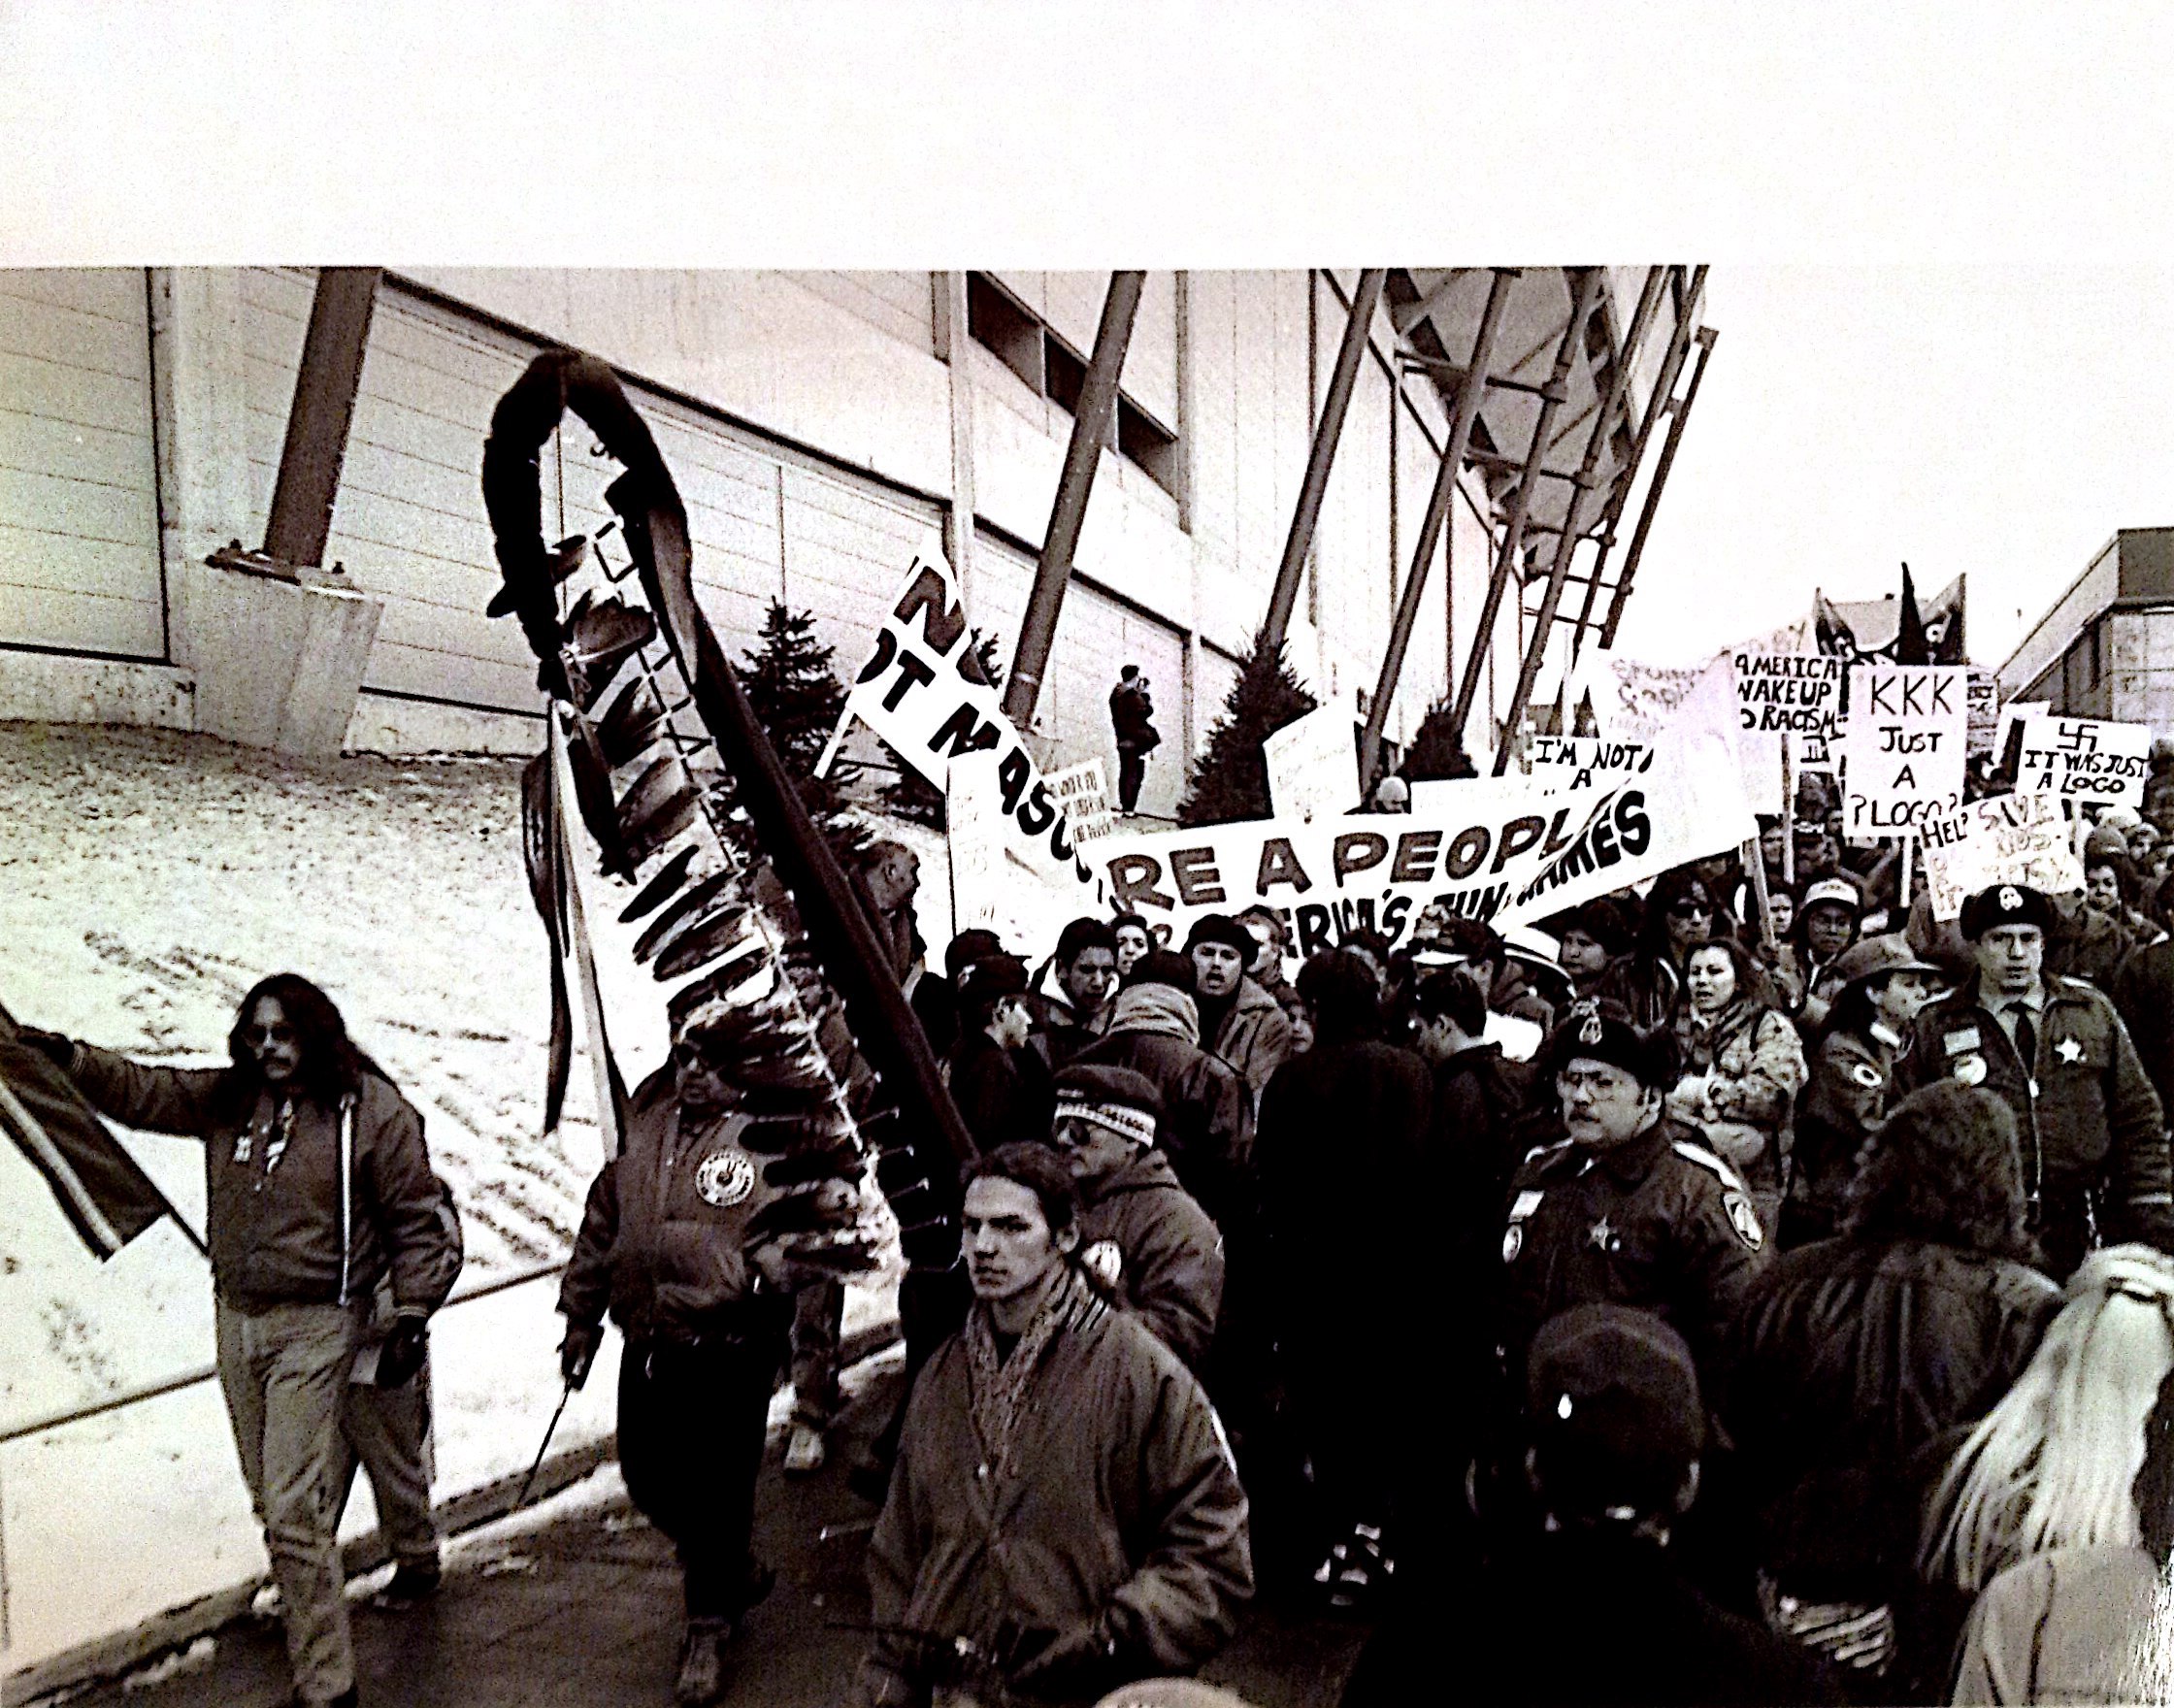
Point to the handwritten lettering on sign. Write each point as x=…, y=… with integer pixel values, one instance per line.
x=1796, y=693
x=2085, y=759
x=2002, y=839
x=1902, y=746
x=1578, y=762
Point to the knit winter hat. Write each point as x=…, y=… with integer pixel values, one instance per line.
x=1120, y=1098
x=1221, y=927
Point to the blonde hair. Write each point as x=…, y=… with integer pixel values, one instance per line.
x=2051, y=1465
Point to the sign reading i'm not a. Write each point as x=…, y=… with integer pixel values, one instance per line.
x=1902, y=745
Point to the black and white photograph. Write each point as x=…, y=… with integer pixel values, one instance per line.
x=1131, y=856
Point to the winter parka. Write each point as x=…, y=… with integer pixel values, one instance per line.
x=1171, y=1256
x=278, y=1211
x=663, y=1239
x=1741, y=1076
x=1254, y=1038
x=1119, y=1501
x=2093, y=1136
x=1844, y=1103
x=1207, y=1118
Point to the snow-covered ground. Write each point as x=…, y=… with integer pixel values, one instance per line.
x=146, y=879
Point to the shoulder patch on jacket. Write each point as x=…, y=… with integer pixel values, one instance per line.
x=1713, y=1165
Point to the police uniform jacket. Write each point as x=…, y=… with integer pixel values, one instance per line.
x=2086, y=1110
x=663, y=1241
x=1659, y=1223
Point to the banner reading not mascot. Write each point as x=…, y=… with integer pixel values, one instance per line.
x=922, y=691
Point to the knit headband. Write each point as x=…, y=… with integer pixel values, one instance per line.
x=1138, y=1125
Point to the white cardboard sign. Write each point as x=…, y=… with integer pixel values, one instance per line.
x=2000, y=839
x=2085, y=759
x=1902, y=745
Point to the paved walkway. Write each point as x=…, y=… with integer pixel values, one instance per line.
x=577, y=1604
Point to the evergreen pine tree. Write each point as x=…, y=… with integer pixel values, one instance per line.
x=797, y=700
x=1229, y=782
x=1436, y=755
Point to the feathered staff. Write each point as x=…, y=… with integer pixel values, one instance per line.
x=752, y=911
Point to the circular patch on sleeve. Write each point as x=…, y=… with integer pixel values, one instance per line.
x=1513, y=1242
x=1866, y=1075
x=1971, y=1069
x=725, y=1178
x=1105, y=1260
x=1744, y=1218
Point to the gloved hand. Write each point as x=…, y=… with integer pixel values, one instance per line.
x=577, y=1351
x=401, y=1355
x=1077, y=1658
x=55, y=1046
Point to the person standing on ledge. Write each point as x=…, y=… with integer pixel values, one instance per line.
x=1131, y=714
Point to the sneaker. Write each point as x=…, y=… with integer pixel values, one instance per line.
x=414, y=1583
x=702, y=1663
x=804, y=1451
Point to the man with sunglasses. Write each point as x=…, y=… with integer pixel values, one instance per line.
x=1627, y=1207
x=1143, y=1241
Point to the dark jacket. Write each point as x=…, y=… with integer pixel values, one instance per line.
x=1659, y=1223
x=1342, y=1158
x=663, y=1238
x=1848, y=1357
x=1484, y=1117
x=2088, y=1118
x=275, y=1220
x=1171, y=1257
x=1131, y=716
x=1207, y=1120
x=1119, y=1499
x=1582, y=1616
x=2143, y=994
x=1845, y=1103
x=1004, y=1095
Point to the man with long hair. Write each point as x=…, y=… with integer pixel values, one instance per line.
x=1065, y=1516
x=319, y=1185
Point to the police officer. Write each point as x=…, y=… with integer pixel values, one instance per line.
x=665, y=1244
x=1627, y=1207
x=2095, y=1146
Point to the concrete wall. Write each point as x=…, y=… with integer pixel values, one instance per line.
x=811, y=377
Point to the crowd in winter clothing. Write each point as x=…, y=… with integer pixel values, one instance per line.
x=1841, y=1174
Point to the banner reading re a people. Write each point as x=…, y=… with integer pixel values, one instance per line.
x=1497, y=849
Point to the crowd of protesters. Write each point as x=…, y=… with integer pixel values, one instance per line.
x=1779, y=1304
x=1749, y=1289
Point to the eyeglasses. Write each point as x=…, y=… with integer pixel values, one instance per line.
x=1569, y=1082
x=1687, y=908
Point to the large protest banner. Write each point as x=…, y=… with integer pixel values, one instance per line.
x=2085, y=759
x=1902, y=746
x=1494, y=849
x=1636, y=701
x=920, y=691
x=2002, y=839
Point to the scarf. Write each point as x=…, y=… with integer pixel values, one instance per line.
x=996, y=1387
x=1159, y=1008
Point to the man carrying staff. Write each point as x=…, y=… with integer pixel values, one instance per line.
x=665, y=1244
x=1065, y=1516
x=319, y=1185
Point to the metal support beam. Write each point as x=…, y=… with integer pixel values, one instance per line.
x=1707, y=337
x=318, y=417
x=1664, y=387
x=1327, y=432
x=1470, y=391
x=1588, y=478
x=1513, y=529
x=1089, y=426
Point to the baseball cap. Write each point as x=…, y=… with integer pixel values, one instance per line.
x=994, y=976
x=1613, y=1398
x=1837, y=890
